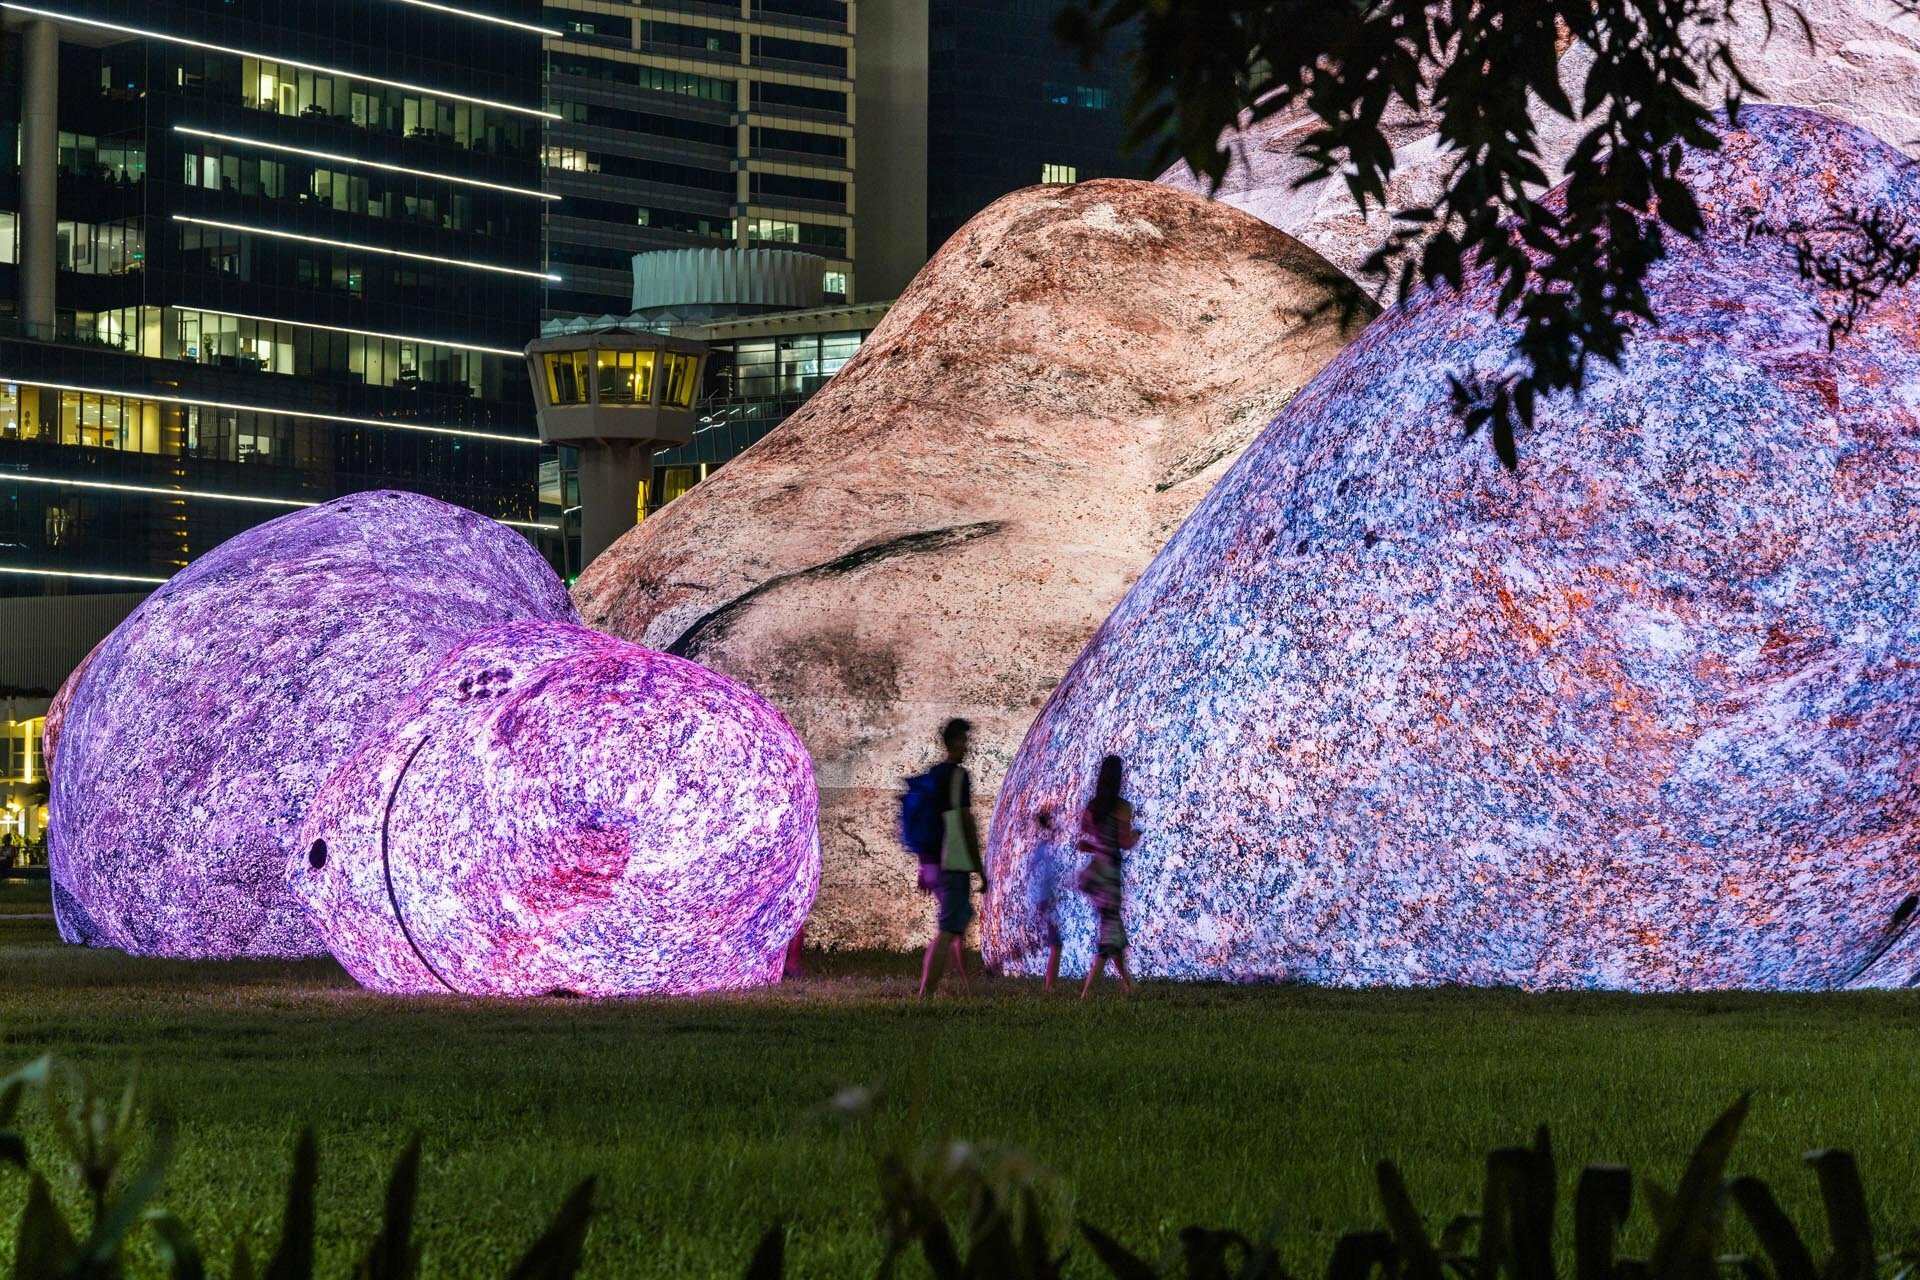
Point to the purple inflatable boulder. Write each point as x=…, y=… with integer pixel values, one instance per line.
x=201, y=728
x=557, y=810
x=1644, y=715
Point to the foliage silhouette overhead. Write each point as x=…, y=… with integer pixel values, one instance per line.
x=1573, y=277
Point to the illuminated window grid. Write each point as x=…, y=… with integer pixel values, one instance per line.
x=314, y=67
x=163, y=398
x=334, y=158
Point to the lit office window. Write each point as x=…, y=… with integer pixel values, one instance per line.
x=1058, y=173
x=681, y=373
x=571, y=159
x=834, y=283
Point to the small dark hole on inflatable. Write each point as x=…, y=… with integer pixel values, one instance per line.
x=317, y=856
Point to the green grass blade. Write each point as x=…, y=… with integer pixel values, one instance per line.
x=1536, y=1196
x=179, y=1253
x=556, y=1254
x=770, y=1255
x=1847, y=1220
x=1121, y=1263
x=1600, y=1207
x=44, y=1248
x=391, y=1256
x=1778, y=1237
x=293, y=1258
x=1419, y=1260
x=103, y=1243
x=1690, y=1240
x=1358, y=1254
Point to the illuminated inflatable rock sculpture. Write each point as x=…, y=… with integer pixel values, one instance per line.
x=941, y=528
x=1862, y=66
x=193, y=740
x=1644, y=715
x=557, y=810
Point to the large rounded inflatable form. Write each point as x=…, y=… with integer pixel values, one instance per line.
x=190, y=745
x=941, y=528
x=1644, y=715
x=557, y=810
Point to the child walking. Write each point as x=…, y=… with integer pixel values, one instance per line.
x=1106, y=832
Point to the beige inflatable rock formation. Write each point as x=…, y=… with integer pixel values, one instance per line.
x=1863, y=66
x=942, y=528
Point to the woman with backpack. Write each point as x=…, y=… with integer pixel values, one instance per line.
x=1107, y=832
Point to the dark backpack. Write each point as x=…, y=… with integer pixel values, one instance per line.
x=921, y=827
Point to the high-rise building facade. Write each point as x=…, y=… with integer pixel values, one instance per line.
x=963, y=101
x=697, y=124
x=255, y=254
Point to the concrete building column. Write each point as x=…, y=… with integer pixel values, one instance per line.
x=39, y=173
x=610, y=478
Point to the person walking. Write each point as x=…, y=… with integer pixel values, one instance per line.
x=959, y=861
x=1106, y=832
x=1043, y=892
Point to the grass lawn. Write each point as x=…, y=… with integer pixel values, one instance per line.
x=705, y=1120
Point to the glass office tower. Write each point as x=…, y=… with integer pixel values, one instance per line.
x=697, y=124
x=256, y=254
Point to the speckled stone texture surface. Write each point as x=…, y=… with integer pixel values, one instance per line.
x=1863, y=66
x=200, y=729
x=56, y=716
x=942, y=527
x=557, y=810
x=1645, y=715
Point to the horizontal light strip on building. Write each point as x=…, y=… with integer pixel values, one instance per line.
x=163, y=398
x=145, y=34
x=366, y=248
x=484, y=17
x=364, y=333
x=62, y=573
x=365, y=164
x=8, y=477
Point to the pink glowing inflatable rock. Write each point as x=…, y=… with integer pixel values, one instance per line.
x=941, y=528
x=556, y=810
x=192, y=742
x=1644, y=715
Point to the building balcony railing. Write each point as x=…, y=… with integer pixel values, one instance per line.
x=775, y=205
x=773, y=113
x=805, y=22
x=775, y=155
x=798, y=67
x=698, y=53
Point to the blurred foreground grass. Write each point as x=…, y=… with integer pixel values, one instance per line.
x=706, y=1119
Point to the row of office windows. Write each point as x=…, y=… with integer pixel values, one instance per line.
x=304, y=351
x=373, y=193
x=654, y=126
x=580, y=160
x=707, y=226
x=86, y=156
x=782, y=368
x=767, y=96
x=772, y=187
x=683, y=84
x=94, y=249
x=136, y=425
x=288, y=90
